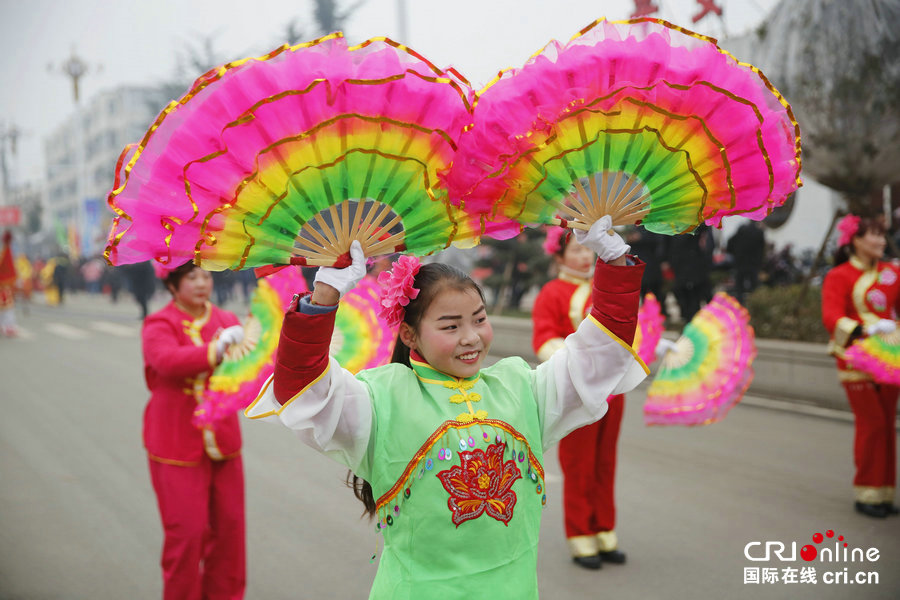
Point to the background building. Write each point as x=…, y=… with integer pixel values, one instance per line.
x=81, y=157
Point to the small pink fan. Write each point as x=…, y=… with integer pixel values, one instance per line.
x=708, y=371
x=361, y=340
x=650, y=326
x=878, y=355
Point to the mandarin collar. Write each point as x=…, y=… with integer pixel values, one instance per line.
x=860, y=265
x=429, y=374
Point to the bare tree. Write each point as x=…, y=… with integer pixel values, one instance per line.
x=838, y=63
x=329, y=17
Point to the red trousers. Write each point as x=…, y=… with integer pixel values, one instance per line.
x=202, y=511
x=875, y=443
x=588, y=460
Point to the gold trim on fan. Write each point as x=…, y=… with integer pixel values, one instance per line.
x=626, y=202
x=321, y=242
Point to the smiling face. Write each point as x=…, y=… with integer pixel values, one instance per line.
x=870, y=246
x=454, y=334
x=193, y=291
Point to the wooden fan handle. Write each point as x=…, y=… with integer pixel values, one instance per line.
x=576, y=225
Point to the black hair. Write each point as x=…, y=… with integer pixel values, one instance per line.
x=431, y=280
x=866, y=224
x=174, y=277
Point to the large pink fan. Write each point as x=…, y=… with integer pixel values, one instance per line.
x=289, y=157
x=642, y=120
x=708, y=371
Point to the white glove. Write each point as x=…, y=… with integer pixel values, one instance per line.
x=663, y=346
x=608, y=247
x=881, y=326
x=344, y=280
x=229, y=336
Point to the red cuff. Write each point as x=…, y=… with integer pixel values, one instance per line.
x=302, y=351
x=616, y=297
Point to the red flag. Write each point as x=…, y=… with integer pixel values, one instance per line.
x=707, y=7
x=643, y=8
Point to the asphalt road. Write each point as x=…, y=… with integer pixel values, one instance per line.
x=78, y=517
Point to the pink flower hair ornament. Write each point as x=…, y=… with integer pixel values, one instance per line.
x=555, y=236
x=848, y=226
x=397, y=289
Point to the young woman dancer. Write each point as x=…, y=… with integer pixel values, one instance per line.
x=588, y=454
x=197, y=474
x=860, y=297
x=452, y=453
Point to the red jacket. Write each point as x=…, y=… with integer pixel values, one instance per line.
x=179, y=355
x=853, y=297
x=611, y=299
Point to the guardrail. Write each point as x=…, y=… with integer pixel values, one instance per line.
x=792, y=371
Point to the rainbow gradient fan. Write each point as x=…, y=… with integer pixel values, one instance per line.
x=361, y=340
x=650, y=326
x=877, y=355
x=708, y=371
x=288, y=157
x=641, y=120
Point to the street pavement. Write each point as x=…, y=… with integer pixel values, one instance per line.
x=78, y=518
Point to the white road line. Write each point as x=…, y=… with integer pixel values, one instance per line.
x=66, y=331
x=116, y=329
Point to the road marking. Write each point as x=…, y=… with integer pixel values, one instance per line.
x=66, y=331
x=116, y=329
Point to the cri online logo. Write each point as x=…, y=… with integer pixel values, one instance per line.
x=764, y=551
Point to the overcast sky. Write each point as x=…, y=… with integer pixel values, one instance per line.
x=138, y=41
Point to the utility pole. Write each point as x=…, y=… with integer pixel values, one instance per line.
x=75, y=68
x=402, y=31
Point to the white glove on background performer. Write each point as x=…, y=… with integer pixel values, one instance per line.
x=881, y=326
x=344, y=280
x=229, y=336
x=664, y=346
x=607, y=247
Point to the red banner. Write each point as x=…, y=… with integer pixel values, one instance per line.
x=10, y=216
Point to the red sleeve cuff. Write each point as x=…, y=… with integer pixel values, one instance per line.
x=302, y=351
x=616, y=297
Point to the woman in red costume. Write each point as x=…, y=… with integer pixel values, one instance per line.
x=197, y=473
x=7, y=288
x=587, y=455
x=860, y=297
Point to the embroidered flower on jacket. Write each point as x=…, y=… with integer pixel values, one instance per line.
x=397, y=289
x=887, y=277
x=481, y=484
x=877, y=299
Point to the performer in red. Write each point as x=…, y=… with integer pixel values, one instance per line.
x=7, y=288
x=197, y=473
x=587, y=455
x=861, y=296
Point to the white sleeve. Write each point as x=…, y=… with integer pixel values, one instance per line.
x=573, y=385
x=333, y=414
